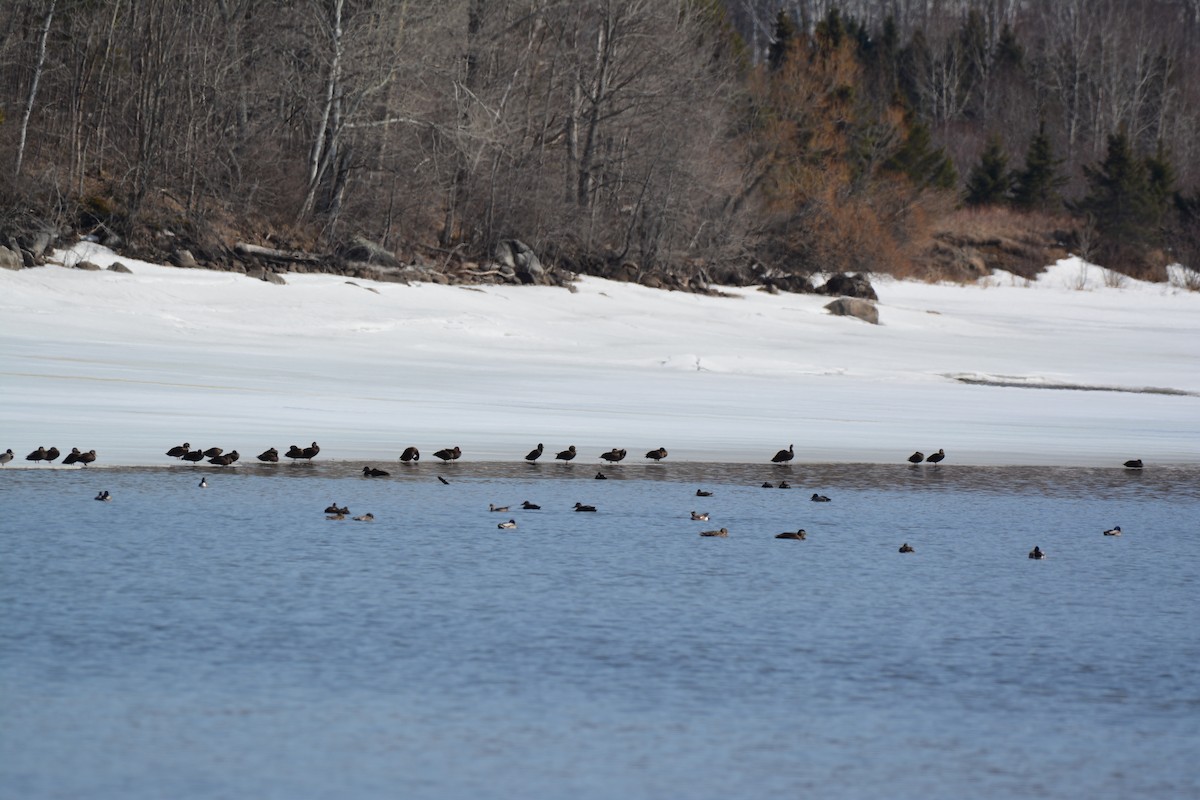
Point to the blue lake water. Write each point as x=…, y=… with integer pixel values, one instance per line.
x=232, y=642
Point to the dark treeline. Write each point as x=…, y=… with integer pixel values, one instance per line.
x=627, y=137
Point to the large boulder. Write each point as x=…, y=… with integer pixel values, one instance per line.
x=10, y=259
x=362, y=249
x=519, y=257
x=843, y=285
x=854, y=307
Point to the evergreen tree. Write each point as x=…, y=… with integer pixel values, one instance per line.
x=1161, y=177
x=1120, y=197
x=1009, y=54
x=989, y=182
x=785, y=34
x=1036, y=186
x=923, y=164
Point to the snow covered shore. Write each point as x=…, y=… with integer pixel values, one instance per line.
x=131, y=364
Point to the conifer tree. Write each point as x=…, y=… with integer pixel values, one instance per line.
x=989, y=182
x=1120, y=197
x=785, y=34
x=1036, y=186
x=923, y=164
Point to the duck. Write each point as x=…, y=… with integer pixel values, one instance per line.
x=335, y=516
x=657, y=455
x=703, y=493
x=87, y=458
x=213, y=452
x=535, y=453
x=104, y=496
x=1036, y=553
x=497, y=508
x=36, y=455
x=410, y=454
x=784, y=485
x=819, y=498
x=721, y=532
x=800, y=534
x=512, y=523
x=6, y=457
x=907, y=548
x=916, y=458
x=448, y=453
x=367, y=517
x=294, y=452
x=310, y=452
x=204, y=483
x=1113, y=531
x=51, y=454
x=332, y=508
x=270, y=456
x=614, y=455
x=528, y=506
x=1133, y=463
x=600, y=476
x=582, y=507
x=784, y=456
x=372, y=472
x=768, y=485
x=71, y=457
x=934, y=458
x=225, y=460
x=178, y=450
x=700, y=516
x=566, y=455
x=193, y=456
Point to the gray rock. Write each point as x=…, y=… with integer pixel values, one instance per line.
x=362, y=249
x=184, y=259
x=843, y=285
x=10, y=259
x=854, y=307
x=28, y=258
x=88, y=265
x=117, y=266
x=515, y=255
x=37, y=242
x=273, y=277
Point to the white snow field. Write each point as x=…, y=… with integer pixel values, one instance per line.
x=131, y=365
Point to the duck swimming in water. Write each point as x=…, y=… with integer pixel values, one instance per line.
x=800, y=534
x=1113, y=531
x=700, y=517
x=703, y=493
x=497, y=508
x=528, y=506
x=721, y=532
x=204, y=483
x=1036, y=553
x=368, y=517
x=104, y=496
x=512, y=523
x=372, y=472
x=906, y=548
x=582, y=507
x=819, y=498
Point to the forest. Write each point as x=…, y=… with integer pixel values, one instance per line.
x=677, y=143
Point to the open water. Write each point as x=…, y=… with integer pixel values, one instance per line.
x=232, y=642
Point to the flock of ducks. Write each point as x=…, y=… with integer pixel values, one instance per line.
x=217, y=456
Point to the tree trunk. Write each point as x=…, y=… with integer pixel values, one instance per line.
x=39, y=63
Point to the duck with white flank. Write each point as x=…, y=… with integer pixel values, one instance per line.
x=1036, y=553
x=104, y=496
x=512, y=523
x=700, y=516
x=368, y=517
x=6, y=457
x=1114, y=531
